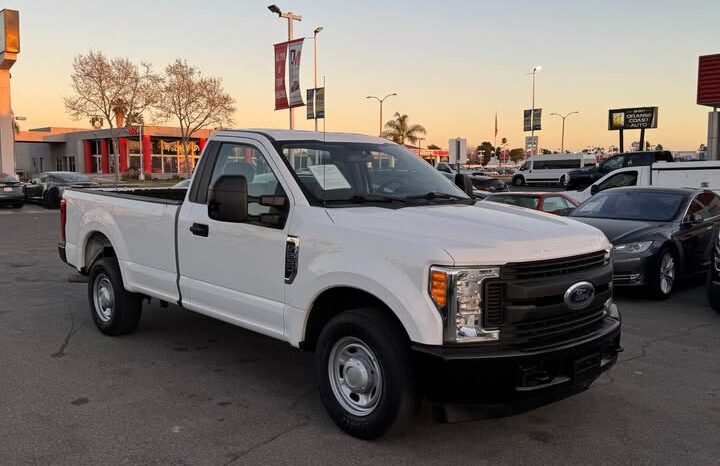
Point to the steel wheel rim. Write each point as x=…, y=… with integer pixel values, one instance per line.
x=103, y=297
x=667, y=273
x=355, y=376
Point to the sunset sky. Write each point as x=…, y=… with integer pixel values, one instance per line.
x=453, y=63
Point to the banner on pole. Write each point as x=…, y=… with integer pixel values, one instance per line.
x=311, y=104
x=532, y=121
x=281, y=100
x=294, y=51
x=320, y=102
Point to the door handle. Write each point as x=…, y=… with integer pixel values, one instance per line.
x=199, y=229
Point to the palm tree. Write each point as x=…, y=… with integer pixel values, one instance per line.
x=399, y=130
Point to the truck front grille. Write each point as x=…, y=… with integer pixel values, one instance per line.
x=554, y=267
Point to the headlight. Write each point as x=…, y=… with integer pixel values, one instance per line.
x=633, y=248
x=458, y=295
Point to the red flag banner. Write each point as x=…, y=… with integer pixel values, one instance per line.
x=294, y=51
x=281, y=99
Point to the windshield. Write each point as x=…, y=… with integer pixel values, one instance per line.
x=340, y=172
x=72, y=177
x=521, y=201
x=632, y=205
x=5, y=178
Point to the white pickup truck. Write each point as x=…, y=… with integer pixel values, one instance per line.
x=352, y=247
x=704, y=175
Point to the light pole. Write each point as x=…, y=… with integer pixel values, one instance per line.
x=420, y=140
x=315, y=34
x=381, y=107
x=290, y=16
x=562, y=140
x=532, y=112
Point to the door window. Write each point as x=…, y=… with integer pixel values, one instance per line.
x=246, y=160
x=553, y=204
x=628, y=178
x=707, y=205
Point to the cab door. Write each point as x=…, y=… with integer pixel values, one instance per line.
x=236, y=271
x=696, y=232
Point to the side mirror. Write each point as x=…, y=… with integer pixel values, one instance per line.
x=693, y=219
x=463, y=182
x=594, y=189
x=228, y=199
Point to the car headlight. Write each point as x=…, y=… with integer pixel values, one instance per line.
x=633, y=248
x=458, y=295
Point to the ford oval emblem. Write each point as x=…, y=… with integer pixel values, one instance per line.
x=580, y=295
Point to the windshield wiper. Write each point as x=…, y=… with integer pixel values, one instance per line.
x=436, y=195
x=367, y=199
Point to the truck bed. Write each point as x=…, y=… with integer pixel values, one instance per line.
x=139, y=223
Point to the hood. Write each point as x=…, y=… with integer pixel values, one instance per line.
x=583, y=171
x=480, y=234
x=625, y=231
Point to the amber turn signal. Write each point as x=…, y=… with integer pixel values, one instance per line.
x=438, y=288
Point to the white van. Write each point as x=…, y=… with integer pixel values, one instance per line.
x=703, y=175
x=551, y=168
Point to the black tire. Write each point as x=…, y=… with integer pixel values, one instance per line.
x=115, y=311
x=397, y=397
x=713, y=287
x=17, y=206
x=519, y=181
x=563, y=181
x=51, y=199
x=655, y=277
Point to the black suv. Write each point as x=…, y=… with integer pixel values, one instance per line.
x=584, y=177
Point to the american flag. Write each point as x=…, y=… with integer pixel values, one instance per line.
x=496, y=124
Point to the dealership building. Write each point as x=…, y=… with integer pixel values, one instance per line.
x=158, y=150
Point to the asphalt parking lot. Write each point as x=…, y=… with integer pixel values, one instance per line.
x=189, y=390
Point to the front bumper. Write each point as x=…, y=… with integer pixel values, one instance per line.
x=483, y=374
x=632, y=269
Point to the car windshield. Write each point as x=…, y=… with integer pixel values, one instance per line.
x=5, y=178
x=632, y=205
x=72, y=177
x=528, y=202
x=357, y=173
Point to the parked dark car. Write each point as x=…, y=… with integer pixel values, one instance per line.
x=584, y=177
x=482, y=185
x=554, y=203
x=48, y=187
x=11, y=191
x=658, y=234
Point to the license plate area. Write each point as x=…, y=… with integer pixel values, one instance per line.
x=7, y=189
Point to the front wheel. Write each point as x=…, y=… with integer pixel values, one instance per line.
x=662, y=279
x=364, y=373
x=115, y=310
x=713, y=281
x=518, y=181
x=563, y=181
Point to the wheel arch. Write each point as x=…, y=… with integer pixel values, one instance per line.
x=96, y=245
x=335, y=300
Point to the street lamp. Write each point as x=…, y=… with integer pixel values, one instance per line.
x=290, y=16
x=381, y=107
x=315, y=34
x=532, y=112
x=562, y=140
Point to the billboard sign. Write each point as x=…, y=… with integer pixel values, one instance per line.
x=531, y=144
x=536, y=120
x=708, y=89
x=632, y=118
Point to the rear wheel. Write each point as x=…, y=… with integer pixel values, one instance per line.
x=115, y=310
x=662, y=279
x=51, y=199
x=364, y=373
x=563, y=181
